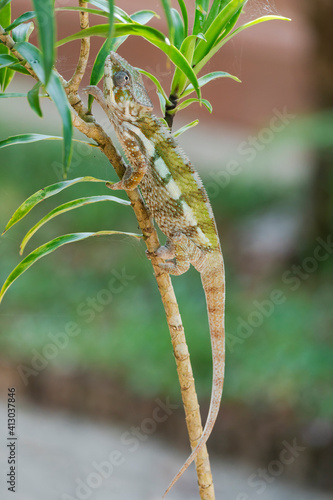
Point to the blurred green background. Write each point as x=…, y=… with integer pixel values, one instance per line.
x=283, y=355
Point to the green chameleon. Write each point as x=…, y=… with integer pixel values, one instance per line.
x=177, y=200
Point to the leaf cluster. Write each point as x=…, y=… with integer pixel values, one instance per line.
x=189, y=48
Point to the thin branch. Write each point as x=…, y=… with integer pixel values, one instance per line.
x=76, y=79
x=7, y=40
x=89, y=127
x=169, y=117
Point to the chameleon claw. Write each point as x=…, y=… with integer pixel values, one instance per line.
x=150, y=255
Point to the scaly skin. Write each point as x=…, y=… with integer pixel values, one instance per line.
x=174, y=193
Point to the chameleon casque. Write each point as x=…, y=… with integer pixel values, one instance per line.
x=177, y=200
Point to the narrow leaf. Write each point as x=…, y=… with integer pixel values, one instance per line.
x=7, y=60
x=216, y=28
x=12, y=94
x=19, y=69
x=25, y=138
x=179, y=79
x=57, y=93
x=179, y=33
x=186, y=103
x=143, y=16
x=98, y=68
x=217, y=47
x=152, y=35
x=5, y=18
x=97, y=71
x=203, y=80
x=162, y=102
x=46, y=32
x=66, y=207
x=27, y=16
x=44, y=193
x=33, y=99
x=216, y=8
x=22, y=32
x=166, y=4
x=157, y=83
x=183, y=10
x=82, y=9
x=201, y=11
x=49, y=247
x=185, y=128
x=3, y=3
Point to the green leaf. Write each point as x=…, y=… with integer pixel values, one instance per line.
x=6, y=74
x=143, y=16
x=216, y=29
x=98, y=68
x=33, y=99
x=162, y=102
x=3, y=3
x=166, y=4
x=183, y=10
x=152, y=35
x=203, y=80
x=230, y=25
x=201, y=10
x=97, y=71
x=12, y=94
x=82, y=9
x=119, y=14
x=186, y=103
x=121, y=29
x=179, y=80
x=216, y=8
x=25, y=138
x=46, y=33
x=49, y=247
x=217, y=47
x=27, y=16
x=185, y=128
x=7, y=60
x=44, y=193
x=20, y=69
x=57, y=93
x=179, y=28
x=66, y=207
x=157, y=83
x=22, y=32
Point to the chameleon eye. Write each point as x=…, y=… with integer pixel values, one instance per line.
x=121, y=78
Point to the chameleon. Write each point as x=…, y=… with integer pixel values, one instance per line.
x=177, y=200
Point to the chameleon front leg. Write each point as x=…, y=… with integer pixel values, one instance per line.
x=138, y=164
x=180, y=252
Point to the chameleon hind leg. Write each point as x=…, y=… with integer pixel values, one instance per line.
x=179, y=252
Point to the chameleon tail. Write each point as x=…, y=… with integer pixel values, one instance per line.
x=212, y=277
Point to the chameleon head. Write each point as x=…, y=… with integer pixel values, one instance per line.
x=124, y=87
